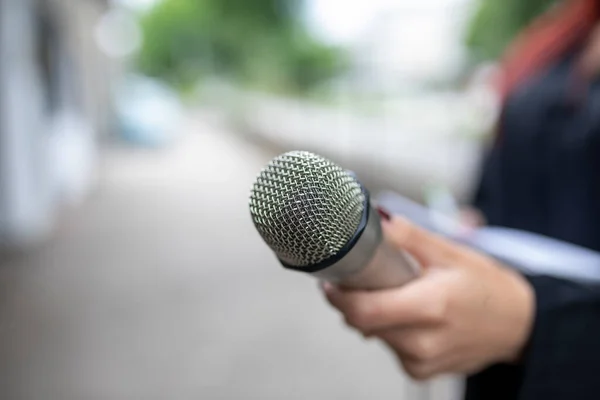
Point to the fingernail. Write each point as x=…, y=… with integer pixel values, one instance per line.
x=326, y=286
x=384, y=214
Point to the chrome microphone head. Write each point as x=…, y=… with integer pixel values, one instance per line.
x=307, y=209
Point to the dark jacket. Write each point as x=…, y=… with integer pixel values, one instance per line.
x=543, y=175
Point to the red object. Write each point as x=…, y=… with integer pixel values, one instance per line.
x=384, y=214
x=545, y=41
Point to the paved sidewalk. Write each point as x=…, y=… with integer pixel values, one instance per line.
x=160, y=288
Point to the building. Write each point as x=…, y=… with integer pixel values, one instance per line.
x=55, y=107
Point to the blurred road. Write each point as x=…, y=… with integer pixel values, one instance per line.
x=159, y=288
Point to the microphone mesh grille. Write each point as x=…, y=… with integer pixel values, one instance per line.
x=305, y=207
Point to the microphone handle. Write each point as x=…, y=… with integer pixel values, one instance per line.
x=389, y=268
x=373, y=263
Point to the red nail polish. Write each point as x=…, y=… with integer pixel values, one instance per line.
x=384, y=214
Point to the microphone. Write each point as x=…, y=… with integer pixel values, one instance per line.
x=318, y=219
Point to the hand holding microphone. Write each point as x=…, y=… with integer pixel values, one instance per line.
x=463, y=314
x=439, y=306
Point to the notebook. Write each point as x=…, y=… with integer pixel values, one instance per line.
x=528, y=252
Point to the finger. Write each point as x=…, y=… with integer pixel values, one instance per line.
x=423, y=370
x=415, y=352
x=423, y=345
x=420, y=302
x=426, y=247
x=419, y=371
x=472, y=218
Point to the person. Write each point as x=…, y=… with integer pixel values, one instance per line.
x=514, y=336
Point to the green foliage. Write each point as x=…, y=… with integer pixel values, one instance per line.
x=312, y=63
x=254, y=42
x=497, y=22
x=175, y=40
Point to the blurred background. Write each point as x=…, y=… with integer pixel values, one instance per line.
x=130, y=133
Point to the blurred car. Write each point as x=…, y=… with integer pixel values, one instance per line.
x=148, y=112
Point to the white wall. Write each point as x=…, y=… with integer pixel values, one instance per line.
x=47, y=159
x=25, y=191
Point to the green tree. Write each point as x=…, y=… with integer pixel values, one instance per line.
x=497, y=22
x=256, y=42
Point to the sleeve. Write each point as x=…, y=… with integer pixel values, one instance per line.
x=563, y=352
x=489, y=188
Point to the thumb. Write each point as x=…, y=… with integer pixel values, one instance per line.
x=426, y=247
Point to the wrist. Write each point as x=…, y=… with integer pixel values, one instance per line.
x=521, y=308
